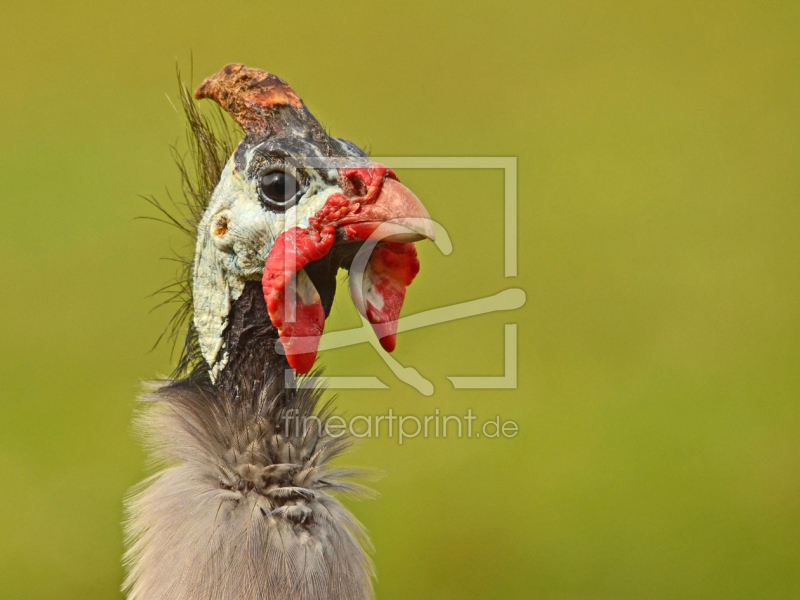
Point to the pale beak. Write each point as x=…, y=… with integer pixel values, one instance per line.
x=395, y=204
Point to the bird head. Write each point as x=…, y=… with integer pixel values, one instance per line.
x=292, y=206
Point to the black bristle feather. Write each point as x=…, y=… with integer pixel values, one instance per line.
x=210, y=141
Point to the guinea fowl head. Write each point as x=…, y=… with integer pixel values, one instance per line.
x=292, y=206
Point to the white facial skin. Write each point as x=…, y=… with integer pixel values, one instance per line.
x=234, y=239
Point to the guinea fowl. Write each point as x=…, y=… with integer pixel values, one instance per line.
x=242, y=507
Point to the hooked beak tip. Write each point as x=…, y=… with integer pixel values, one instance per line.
x=420, y=229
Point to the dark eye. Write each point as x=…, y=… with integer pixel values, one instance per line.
x=279, y=189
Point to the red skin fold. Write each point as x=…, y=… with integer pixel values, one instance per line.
x=292, y=251
x=392, y=268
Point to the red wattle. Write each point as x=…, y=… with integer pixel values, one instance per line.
x=302, y=334
x=392, y=267
x=292, y=251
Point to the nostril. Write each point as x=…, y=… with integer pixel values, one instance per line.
x=358, y=187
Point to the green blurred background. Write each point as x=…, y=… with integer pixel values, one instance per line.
x=658, y=148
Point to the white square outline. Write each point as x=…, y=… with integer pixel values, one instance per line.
x=410, y=375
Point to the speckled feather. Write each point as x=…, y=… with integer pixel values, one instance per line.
x=242, y=507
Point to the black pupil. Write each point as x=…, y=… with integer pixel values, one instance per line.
x=279, y=186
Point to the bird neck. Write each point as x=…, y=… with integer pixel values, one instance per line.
x=251, y=341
